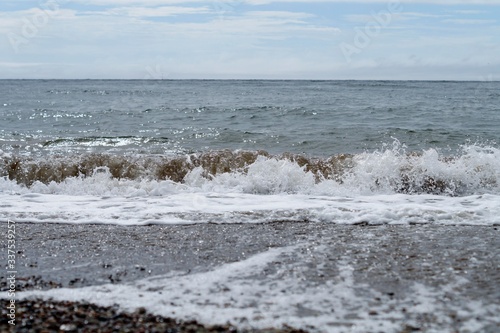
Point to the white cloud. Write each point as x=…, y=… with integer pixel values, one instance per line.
x=14, y=65
x=119, y=39
x=153, y=12
x=469, y=21
x=417, y=15
x=434, y=2
x=469, y=12
x=265, y=2
x=280, y=14
x=144, y=3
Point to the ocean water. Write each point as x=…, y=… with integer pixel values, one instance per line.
x=197, y=152
x=154, y=152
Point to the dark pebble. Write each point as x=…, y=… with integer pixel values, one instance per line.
x=52, y=316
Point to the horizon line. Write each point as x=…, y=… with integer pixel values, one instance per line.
x=237, y=79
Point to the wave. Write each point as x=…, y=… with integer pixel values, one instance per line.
x=475, y=169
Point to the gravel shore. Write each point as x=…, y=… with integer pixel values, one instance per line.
x=387, y=259
x=71, y=317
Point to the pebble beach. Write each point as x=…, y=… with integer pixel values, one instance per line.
x=456, y=269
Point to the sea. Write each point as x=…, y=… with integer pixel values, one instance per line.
x=257, y=151
x=360, y=155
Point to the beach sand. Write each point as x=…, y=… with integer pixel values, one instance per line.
x=460, y=264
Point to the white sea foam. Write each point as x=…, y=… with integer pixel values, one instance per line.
x=118, y=202
x=475, y=170
x=278, y=190
x=271, y=290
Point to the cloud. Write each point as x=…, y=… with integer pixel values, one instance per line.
x=14, y=65
x=397, y=16
x=469, y=12
x=152, y=3
x=164, y=11
x=280, y=14
x=141, y=3
x=433, y=2
x=472, y=22
x=248, y=39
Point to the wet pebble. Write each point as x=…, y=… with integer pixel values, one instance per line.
x=52, y=316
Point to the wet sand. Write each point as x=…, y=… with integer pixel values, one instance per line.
x=387, y=259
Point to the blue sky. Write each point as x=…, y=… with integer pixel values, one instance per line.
x=270, y=39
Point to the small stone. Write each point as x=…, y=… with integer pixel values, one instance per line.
x=68, y=327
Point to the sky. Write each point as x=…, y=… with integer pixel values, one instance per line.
x=250, y=39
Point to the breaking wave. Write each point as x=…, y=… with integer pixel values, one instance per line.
x=475, y=169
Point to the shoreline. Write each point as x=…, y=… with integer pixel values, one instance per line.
x=456, y=265
x=76, y=317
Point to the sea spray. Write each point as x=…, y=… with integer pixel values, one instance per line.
x=474, y=169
